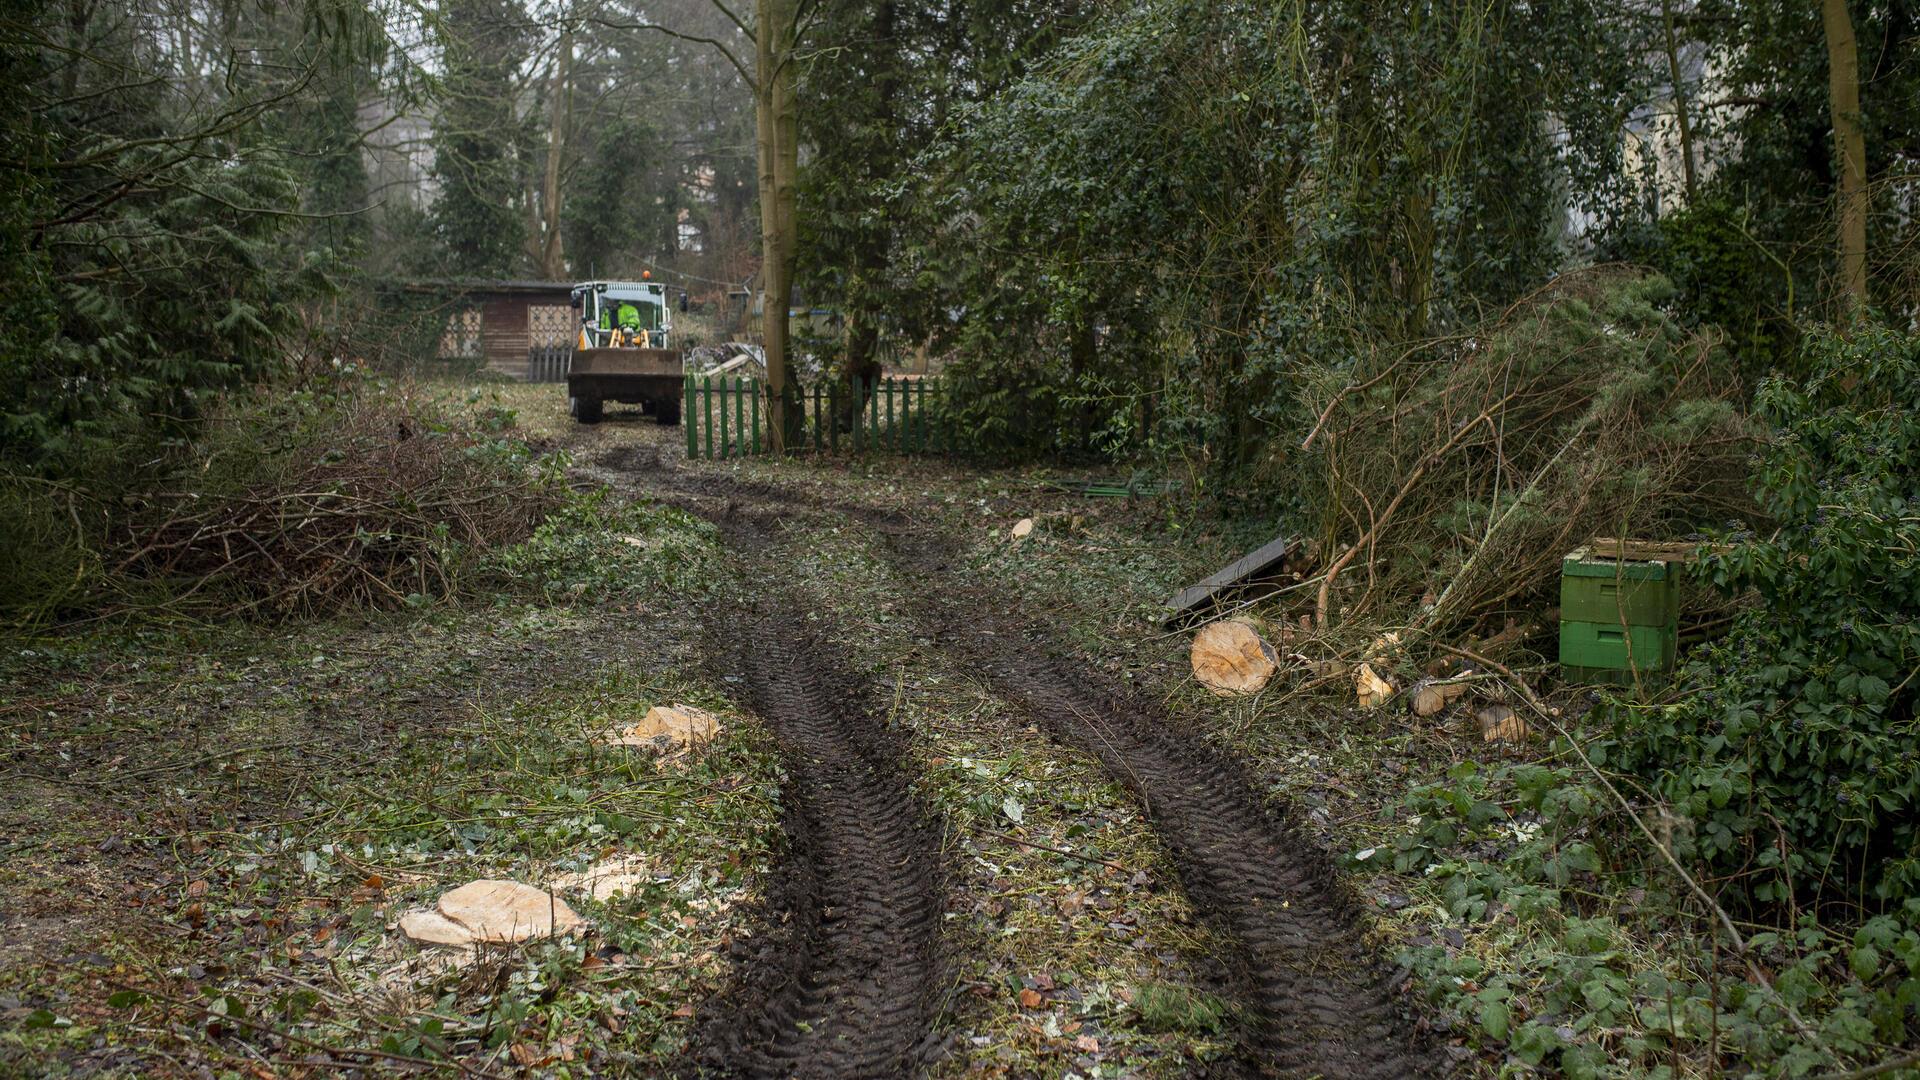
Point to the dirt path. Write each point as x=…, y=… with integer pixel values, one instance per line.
x=846, y=982
x=1314, y=1001
x=1318, y=1003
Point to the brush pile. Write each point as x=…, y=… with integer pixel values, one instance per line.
x=359, y=496
x=1455, y=475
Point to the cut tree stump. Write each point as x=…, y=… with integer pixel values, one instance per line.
x=1433, y=695
x=1498, y=723
x=499, y=912
x=1230, y=657
x=673, y=728
x=1370, y=688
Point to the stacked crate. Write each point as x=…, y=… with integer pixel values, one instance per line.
x=1617, y=617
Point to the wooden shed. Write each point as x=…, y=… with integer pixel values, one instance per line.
x=515, y=327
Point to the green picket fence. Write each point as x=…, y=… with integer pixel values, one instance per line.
x=722, y=417
x=738, y=400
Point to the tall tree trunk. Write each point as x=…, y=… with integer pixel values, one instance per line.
x=1850, y=145
x=862, y=368
x=870, y=253
x=777, y=142
x=553, y=263
x=1082, y=354
x=1679, y=99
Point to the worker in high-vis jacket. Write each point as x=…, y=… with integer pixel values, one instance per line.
x=629, y=320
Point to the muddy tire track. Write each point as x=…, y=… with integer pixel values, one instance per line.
x=845, y=980
x=1316, y=1001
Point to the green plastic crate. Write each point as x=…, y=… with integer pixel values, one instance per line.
x=1610, y=606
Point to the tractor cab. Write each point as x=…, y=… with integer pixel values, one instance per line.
x=623, y=314
x=622, y=352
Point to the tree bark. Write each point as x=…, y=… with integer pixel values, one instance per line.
x=553, y=261
x=1082, y=354
x=777, y=143
x=862, y=368
x=1850, y=145
x=870, y=253
x=1679, y=99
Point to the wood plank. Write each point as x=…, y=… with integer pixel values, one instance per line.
x=1679, y=551
x=1246, y=568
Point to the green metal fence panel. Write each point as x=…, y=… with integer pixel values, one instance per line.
x=691, y=422
x=915, y=416
x=739, y=418
x=706, y=406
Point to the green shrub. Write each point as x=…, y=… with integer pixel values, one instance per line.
x=594, y=547
x=1793, y=760
x=1535, y=860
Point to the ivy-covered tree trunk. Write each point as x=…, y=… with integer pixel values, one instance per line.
x=474, y=214
x=1850, y=146
x=553, y=262
x=777, y=141
x=1082, y=355
x=870, y=249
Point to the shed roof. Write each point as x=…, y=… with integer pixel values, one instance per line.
x=470, y=285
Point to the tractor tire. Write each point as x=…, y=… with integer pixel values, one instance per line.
x=585, y=410
x=667, y=413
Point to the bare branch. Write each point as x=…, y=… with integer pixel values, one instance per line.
x=697, y=39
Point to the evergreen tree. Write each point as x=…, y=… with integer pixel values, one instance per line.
x=474, y=215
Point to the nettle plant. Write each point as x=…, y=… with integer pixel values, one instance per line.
x=1792, y=762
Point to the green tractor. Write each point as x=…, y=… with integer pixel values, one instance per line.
x=623, y=351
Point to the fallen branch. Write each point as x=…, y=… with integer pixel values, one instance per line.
x=1055, y=850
